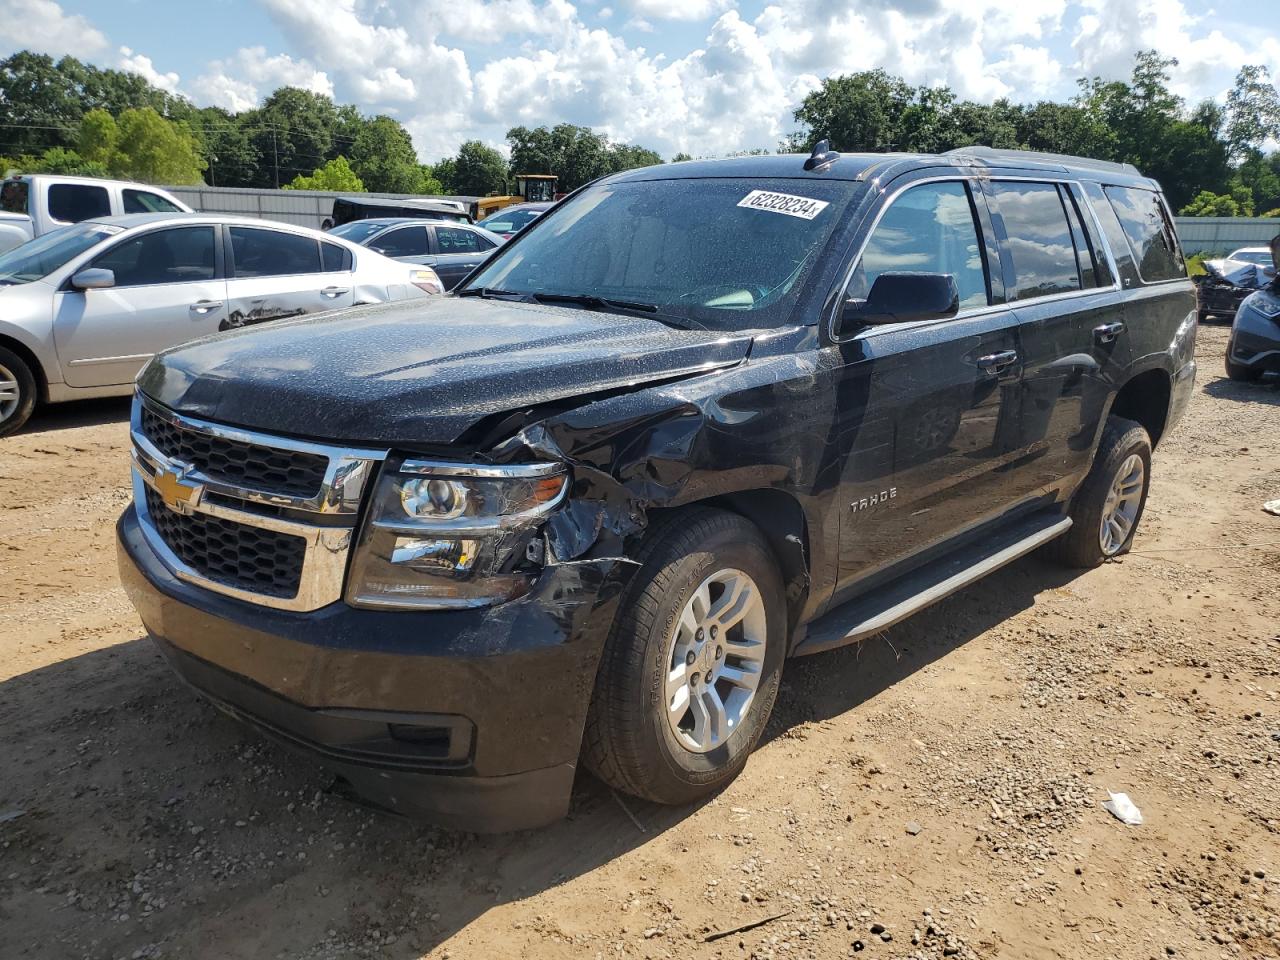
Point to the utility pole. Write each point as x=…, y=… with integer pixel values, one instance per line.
x=275, y=157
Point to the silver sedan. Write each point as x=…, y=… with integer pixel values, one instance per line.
x=84, y=307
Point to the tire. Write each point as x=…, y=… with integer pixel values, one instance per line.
x=1124, y=444
x=1239, y=372
x=19, y=400
x=629, y=743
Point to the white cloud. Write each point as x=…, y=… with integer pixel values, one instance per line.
x=241, y=81
x=142, y=65
x=43, y=26
x=677, y=9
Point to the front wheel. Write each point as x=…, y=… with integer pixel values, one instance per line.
x=17, y=392
x=691, y=668
x=1109, y=504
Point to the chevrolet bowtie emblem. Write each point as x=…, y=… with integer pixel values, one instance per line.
x=179, y=494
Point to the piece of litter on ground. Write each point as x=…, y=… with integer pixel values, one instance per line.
x=1272, y=506
x=11, y=815
x=1123, y=809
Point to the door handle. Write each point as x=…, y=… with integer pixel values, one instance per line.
x=995, y=362
x=335, y=291
x=202, y=307
x=1108, y=332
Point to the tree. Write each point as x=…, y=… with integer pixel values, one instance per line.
x=1253, y=111
x=336, y=175
x=384, y=157
x=155, y=150
x=864, y=112
x=38, y=105
x=232, y=158
x=478, y=170
x=681, y=157
x=1209, y=204
x=625, y=156
x=98, y=137
x=575, y=154
x=60, y=160
x=292, y=132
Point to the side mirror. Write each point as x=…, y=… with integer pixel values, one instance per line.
x=900, y=297
x=94, y=278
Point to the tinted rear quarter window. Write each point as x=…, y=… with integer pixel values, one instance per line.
x=143, y=201
x=1150, y=235
x=334, y=257
x=457, y=240
x=273, y=253
x=73, y=202
x=1038, y=238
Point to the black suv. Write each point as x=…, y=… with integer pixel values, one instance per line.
x=696, y=419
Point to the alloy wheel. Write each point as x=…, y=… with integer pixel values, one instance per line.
x=715, y=660
x=1124, y=500
x=10, y=394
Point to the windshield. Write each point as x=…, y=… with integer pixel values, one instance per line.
x=724, y=254
x=40, y=257
x=357, y=231
x=505, y=221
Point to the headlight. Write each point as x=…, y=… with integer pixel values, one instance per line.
x=452, y=535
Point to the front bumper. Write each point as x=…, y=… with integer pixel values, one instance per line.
x=1220, y=300
x=470, y=718
x=1255, y=341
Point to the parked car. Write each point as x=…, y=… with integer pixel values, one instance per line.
x=347, y=209
x=34, y=204
x=83, y=308
x=1226, y=282
x=451, y=249
x=1254, y=345
x=509, y=221
x=696, y=419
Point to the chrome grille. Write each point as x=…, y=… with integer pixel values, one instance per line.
x=249, y=558
x=289, y=472
x=265, y=519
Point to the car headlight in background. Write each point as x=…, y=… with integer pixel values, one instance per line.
x=426, y=279
x=452, y=535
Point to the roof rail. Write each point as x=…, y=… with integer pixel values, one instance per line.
x=1021, y=157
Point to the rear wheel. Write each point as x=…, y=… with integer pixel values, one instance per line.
x=1109, y=504
x=17, y=392
x=691, y=668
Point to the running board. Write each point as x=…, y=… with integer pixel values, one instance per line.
x=882, y=608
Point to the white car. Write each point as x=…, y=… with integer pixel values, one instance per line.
x=84, y=307
x=1258, y=256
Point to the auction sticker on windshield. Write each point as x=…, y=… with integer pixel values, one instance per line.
x=805, y=208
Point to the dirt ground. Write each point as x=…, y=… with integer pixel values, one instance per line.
x=934, y=792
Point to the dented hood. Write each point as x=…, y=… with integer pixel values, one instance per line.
x=422, y=371
x=1236, y=272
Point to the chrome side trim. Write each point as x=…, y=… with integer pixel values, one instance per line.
x=90, y=361
x=350, y=468
x=446, y=468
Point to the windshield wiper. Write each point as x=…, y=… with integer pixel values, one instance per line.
x=492, y=293
x=608, y=303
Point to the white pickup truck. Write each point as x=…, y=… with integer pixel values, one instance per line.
x=34, y=204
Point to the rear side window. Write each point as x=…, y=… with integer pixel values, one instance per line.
x=1150, y=235
x=162, y=256
x=929, y=229
x=73, y=202
x=13, y=196
x=334, y=258
x=405, y=242
x=457, y=240
x=143, y=201
x=273, y=253
x=1091, y=264
x=1039, y=239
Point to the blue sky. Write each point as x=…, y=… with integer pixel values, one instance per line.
x=703, y=76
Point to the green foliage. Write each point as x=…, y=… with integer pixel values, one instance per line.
x=1253, y=111
x=1195, y=264
x=292, y=133
x=575, y=154
x=1209, y=204
x=336, y=175
x=1270, y=214
x=384, y=157
x=98, y=136
x=67, y=162
x=681, y=157
x=478, y=171
x=233, y=158
x=155, y=150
